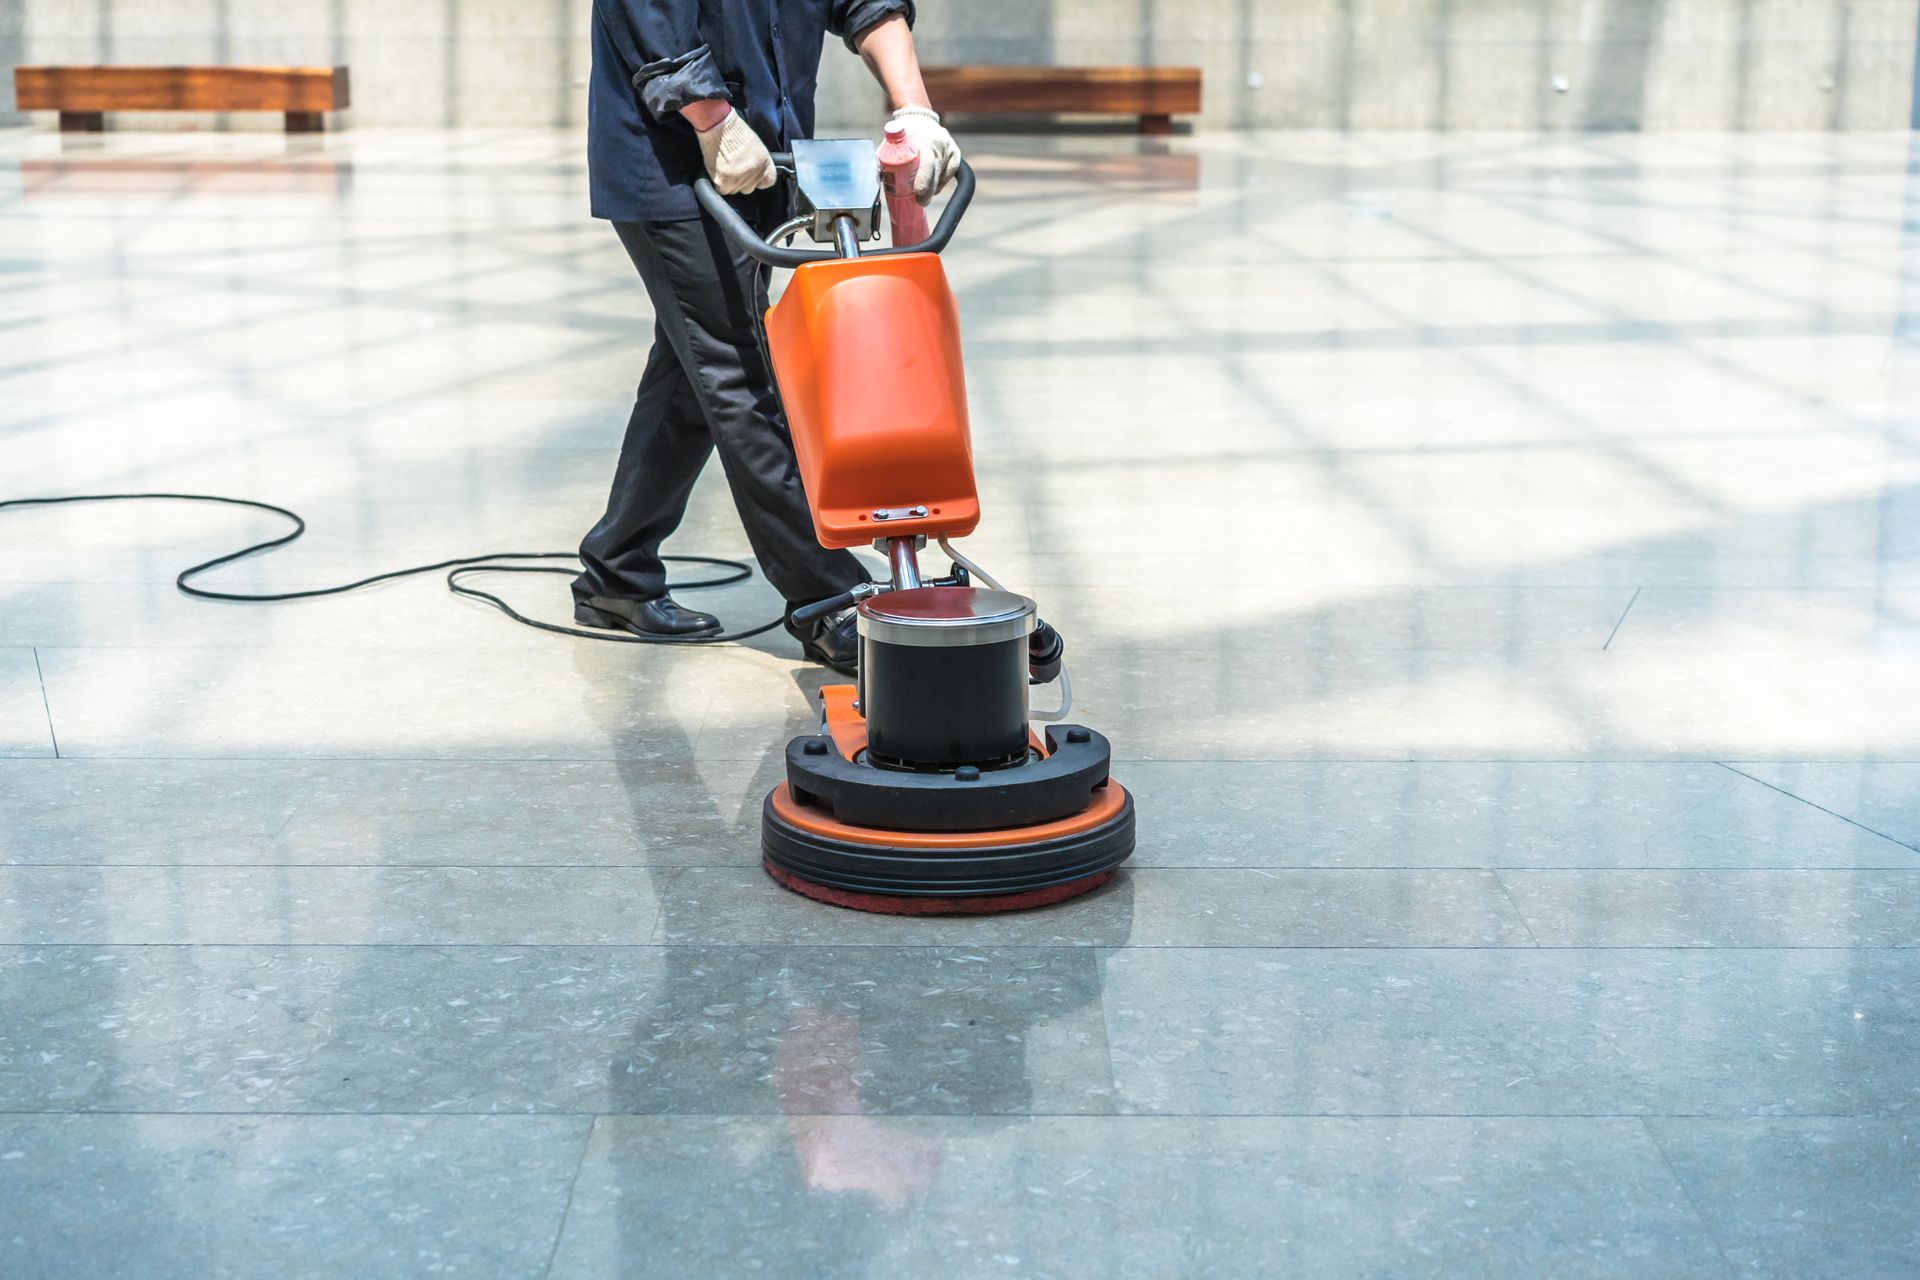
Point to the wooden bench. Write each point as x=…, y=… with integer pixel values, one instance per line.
x=1155, y=94
x=83, y=95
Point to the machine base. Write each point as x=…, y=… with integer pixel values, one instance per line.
x=1070, y=825
x=945, y=873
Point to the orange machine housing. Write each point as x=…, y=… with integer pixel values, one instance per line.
x=867, y=355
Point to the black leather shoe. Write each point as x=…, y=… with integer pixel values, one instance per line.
x=832, y=641
x=657, y=617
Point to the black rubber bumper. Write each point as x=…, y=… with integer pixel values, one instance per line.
x=998, y=865
x=857, y=793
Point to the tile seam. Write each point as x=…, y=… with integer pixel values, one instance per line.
x=1123, y=1116
x=1622, y=620
x=1692, y=1206
x=1356, y=947
x=46, y=704
x=1506, y=892
x=1810, y=804
x=573, y=1183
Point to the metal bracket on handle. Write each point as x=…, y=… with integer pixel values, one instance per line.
x=838, y=179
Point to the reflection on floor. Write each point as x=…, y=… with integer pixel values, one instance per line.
x=1495, y=559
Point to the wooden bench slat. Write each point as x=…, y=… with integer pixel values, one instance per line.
x=1142, y=91
x=97, y=89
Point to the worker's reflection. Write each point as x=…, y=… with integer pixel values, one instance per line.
x=817, y=1072
x=829, y=1037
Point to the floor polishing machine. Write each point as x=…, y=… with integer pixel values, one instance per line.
x=931, y=787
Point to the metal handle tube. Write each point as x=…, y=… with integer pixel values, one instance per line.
x=903, y=563
x=846, y=240
x=735, y=228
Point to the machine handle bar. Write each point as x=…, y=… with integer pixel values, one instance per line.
x=821, y=608
x=735, y=227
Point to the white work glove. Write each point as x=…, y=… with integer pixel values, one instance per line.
x=737, y=160
x=939, y=153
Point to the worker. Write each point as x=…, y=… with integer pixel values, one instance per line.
x=682, y=88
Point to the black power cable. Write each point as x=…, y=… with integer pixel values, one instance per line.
x=736, y=570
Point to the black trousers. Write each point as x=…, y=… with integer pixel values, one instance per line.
x=707, y=387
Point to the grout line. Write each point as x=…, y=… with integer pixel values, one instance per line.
x=957, y=943
x=658, y=926
x=560, y=1231
x=1623, y=617
x=1654, y=1138
x=46, y=705
x=1507, y=893
x=1822, y=808
x=1117, y=1117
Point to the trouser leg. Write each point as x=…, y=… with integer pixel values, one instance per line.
x=665, y=447
x=707, y=296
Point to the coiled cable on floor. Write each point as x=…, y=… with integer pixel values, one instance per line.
x=735, y=570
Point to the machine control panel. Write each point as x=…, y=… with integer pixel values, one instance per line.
x=838, y=178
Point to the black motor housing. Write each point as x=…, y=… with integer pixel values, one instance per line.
x=943, y=678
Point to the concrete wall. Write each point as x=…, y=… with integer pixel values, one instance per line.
x=413, y=62
x=1463, y=64
x=1618, y=64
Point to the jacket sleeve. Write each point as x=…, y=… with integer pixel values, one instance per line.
x=662, y=39
x=849, y=18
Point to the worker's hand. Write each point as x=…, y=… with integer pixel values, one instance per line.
x=737, y=160
x=939, y=153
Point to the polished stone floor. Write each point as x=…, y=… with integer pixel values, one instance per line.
x=1496, y=560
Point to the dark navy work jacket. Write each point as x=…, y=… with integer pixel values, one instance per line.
x=652, y=57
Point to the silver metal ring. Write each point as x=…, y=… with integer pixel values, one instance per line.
x=945, y=617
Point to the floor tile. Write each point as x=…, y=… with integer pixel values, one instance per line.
x=1144, y=908
x=24, y=729
x=384, y=812
x=856, y=1196
x=1228, y=703
x=1432, y=813
x=1304, y=618
x=859, y=1030
x=193, y=1196
x=127, y=598
x=577, y=703
x=1803, y=1198
x=157, y=615
x=1668, y=618
x=1513, y=1032
x=484, y=1029
x=1881, y=797
x=83, y=811
x=1626, y=908
x=327, y=905
x=734, y=704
